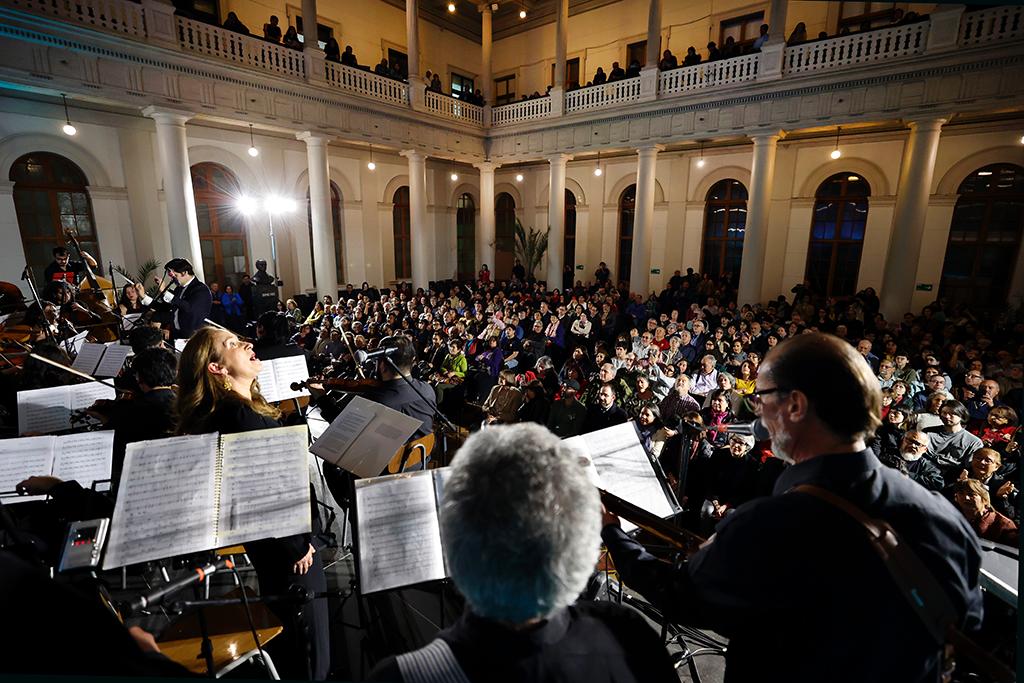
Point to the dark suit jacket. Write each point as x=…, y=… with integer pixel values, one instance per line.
x=192, y=306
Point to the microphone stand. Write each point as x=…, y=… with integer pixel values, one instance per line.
x=440, y=416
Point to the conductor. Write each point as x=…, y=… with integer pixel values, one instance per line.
x=190, y=302
x=791, y=579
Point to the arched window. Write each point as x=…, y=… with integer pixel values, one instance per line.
x=569, y=255
x=837, y=234
x=222, y=237
x=505, y=236
x=465, y=238
x=339, y=252
x=403, y=235
x=627, y=209
x=50, y=196
x=984, y=237
x=725, y=220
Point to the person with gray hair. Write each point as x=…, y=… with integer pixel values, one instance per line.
x=520, y=527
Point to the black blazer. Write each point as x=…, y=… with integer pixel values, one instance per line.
x=192, y=306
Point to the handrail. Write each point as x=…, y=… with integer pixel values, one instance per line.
x=606, y=94
x=110, y=15
x=857, y=48
x=453, y=107
x=988, y=25
x=710, y=74
x=517, y=112
x=196, y=36
x=364, y=82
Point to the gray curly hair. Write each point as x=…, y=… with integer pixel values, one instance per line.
x=520, y=523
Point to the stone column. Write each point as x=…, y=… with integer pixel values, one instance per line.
x=486, y=234
x=643, y=220
x=421, y=258
x=324, y=265
x=412, y=37
x=485, y=53
x=556, y=219
x=649, y=74
x=756, y=233
x=172, y=149
x=773, y=50
x=561, y=45
x=916, y=171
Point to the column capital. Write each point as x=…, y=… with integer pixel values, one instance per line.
x=312, y=138
x=168, y=115
x=414, y=155
x=485, y=166
x=767, y=137
x=559, y=158
x=484, y=7
x=926, y=122
x=650, y=150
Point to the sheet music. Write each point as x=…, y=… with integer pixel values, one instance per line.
x=179, y=344
x=88, y=358
x=113, y=360
x=316, y=422
x=23, y=458
x=265, y=485
x=41, y=411
x=84, y=395
x=128, y=321
x=624, y=468
x=75, y=343
x=85, y=457
x=398, y=531
x=277, y=375
x=166, y=500
x=365, y=437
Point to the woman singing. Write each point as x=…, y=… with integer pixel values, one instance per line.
x=218, y=393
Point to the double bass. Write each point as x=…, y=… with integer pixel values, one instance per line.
x=97, y=295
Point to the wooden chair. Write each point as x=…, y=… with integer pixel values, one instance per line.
x=414, y=452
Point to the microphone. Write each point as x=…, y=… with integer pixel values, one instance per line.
x=364, y=356
x=157, y=594
x=755, y=429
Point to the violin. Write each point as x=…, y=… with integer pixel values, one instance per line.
x=352, y=386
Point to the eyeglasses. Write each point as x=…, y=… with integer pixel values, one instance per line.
x=755, y=396
x=915, y=444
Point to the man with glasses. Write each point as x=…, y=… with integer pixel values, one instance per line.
x=912, y=462
x=886, y=374
x=770, y=572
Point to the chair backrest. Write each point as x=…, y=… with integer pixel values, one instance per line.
x=415, y=452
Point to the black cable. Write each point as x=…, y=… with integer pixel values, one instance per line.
x=252, y=623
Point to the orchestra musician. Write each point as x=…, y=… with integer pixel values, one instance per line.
x=64, y=269
x=190, y=301
x=217, y=392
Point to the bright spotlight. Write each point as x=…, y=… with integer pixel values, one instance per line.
x=451, y=7
x=454, y=177
x=700, y=162
x=598, y=171
x=519, y=177
x=522, y=14
x=836, y=154
x=247, y=205
x=372, y=166
x=276, y=204
x=69, y=129
x=253, y=152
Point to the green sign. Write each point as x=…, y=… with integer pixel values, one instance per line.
x=655, y=271
x=579, y=267
x=921, y=287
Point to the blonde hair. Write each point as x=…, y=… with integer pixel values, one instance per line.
x=201, y=393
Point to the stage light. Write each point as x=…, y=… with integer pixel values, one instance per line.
x=519, y=177
x=277, y=204
x=598, y=171
x=253, y=152
x=454, y=177
x=247, y=205
x=451, y=7
x=67, y=127
x=522, y=13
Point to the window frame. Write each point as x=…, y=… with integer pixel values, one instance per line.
x=218, y=201
x=742, y=21
x=626, y=208
x=843, y=199
x=510, y=93
x=401, y=226
x=722, y=244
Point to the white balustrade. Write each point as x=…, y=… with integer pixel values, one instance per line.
x=363, y=82
x=606, y=94
x=987, y=25
x=195, y=36
x=710, y=74
x=517, y=112
x=856, y=49
x=118, y=16
x=453, y=108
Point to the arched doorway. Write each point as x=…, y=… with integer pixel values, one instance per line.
x=465, y=238
x=837, y=234
x=403, y=234
x=51, y=195
x=984, y=237
x=339, y=251
x=505, y=236
x=627, y=212
x=725, y=220
x=569, y=253
x=222, y=234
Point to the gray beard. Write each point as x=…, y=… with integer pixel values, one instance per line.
x=911, y=457
x=779, y=449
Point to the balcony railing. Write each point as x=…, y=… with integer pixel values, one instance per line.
x=367, y=83
x=110, y=15
x=195, y=36
x=856, y=49
x=709, y=75
x=987, y=25
x=517, y=112
x=605, y=95
x=453, y=108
